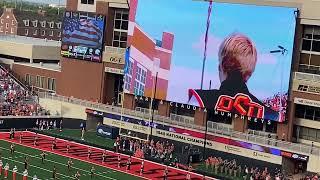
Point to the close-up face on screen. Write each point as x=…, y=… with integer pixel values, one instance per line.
x=212, y=58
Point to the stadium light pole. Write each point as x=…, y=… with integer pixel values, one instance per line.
x=206, y=43
x=156, y=66
x=205, y=136
x=59, y=7
x=283, y=52
x=152, y=105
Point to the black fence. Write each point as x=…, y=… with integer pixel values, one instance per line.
x=23, y=122
x=9, y=122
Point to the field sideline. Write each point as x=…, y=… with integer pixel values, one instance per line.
x=78, y=152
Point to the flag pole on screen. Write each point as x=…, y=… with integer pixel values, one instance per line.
x=125, y=71
x=127, y=56
x=203, y=66
x=206, y=43
x=154, y=97
x=156, y=64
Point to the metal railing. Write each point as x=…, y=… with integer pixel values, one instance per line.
x=310, y=69
x=306, y=77
x=213, y=128
x=262, y=133
x=145, y=113
x=13, y=76
x=182, y=119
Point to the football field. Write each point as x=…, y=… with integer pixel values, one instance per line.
x=44, y=170
x=82, y=163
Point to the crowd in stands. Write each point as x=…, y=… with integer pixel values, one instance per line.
x=277, y=102
x=16, y=100
x=311, y=177
x=156, y=149
x=217, y=166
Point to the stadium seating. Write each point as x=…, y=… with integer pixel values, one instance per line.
x=16, y=100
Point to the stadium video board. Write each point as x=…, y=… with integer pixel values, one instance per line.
x=247, y=55
x=82, y=36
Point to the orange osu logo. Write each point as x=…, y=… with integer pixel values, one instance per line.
x=241, y=103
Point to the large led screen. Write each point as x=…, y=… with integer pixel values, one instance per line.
x=244, y=52
x=82, y=36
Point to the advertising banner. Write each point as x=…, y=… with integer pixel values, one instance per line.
x=125, y=125
x=307, y=102
x=210, y=143
x=104, y=131
x=182, y=138
x=113, y=70
x=114, y=55
x=197, y=138
x=233, y=62
x=82, y=36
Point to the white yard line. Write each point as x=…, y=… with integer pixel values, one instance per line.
x=101, y=165
x=96, y=173
x=9, y=159
x=22, y=174
x=63, y=155
x=132, y=157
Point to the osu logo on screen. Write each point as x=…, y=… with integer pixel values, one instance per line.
x=241, y=104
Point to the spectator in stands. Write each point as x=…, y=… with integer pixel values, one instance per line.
x=15, y=100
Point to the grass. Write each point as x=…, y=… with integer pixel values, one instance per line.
x=89, y=136
x=44, y=171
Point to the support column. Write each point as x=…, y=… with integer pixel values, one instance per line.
x=129, y=101
x=164, y=109
x=200, y=117
x=285, y=129
x=239, y=124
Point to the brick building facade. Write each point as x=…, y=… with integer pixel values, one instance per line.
x=148, y=57
x=31, y=24
x=8, y=22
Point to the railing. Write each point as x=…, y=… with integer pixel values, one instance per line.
x=306, y=77
x=310, y=69
x=182, y=119
x=261, y=133
x=14, y=78
x=213, y=128
x=145, y=113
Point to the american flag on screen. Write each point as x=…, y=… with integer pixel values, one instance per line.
x=83, y=32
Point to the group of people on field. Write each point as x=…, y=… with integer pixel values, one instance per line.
x=157, y=149
x=217, y=165
x=5, y=167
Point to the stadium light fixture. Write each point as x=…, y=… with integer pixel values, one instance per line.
x=280, y=49
x=283, y=52
x=275, y=51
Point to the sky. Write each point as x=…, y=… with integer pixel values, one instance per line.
x=47, y=1
x=268, y=27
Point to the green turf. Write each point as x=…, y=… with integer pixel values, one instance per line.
x=44, y=171
x=89, y=136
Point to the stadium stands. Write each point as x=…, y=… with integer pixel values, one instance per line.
x=15, y=99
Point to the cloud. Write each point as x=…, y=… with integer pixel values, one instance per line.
x=212, y=45
x=213, y=49
x=261, y=94
x=182, y=79
x=267, y=59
